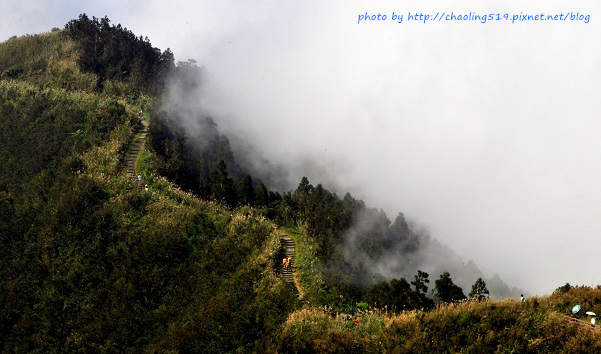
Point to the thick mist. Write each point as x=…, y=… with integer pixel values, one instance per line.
x=486, y=133
x=374, y=248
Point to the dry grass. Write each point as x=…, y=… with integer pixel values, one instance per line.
x=487, y=326
x=48, y=59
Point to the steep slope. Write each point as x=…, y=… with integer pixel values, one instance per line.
x=88, y=261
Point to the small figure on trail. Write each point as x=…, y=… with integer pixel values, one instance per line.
x=139, y=179
x=522, y=297
x=593, y=317
x=288, y=262
x=146, y=188
x=285, y=262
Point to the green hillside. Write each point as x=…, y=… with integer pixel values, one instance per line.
x=188, y=258
x=89, y=260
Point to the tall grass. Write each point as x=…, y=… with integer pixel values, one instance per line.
x=480, y=327
x=48, y=59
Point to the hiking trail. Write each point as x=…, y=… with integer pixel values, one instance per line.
x=289, y=274
x=581, y=323
x=136, y=146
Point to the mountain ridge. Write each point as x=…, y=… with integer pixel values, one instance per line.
x=92, y=262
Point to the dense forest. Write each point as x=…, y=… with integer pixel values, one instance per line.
x=188, y=257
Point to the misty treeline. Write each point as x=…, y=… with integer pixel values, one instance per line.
x=355, y=243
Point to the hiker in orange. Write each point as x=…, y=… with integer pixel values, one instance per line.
x=285, y=262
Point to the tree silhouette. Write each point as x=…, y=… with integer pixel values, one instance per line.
x=479, y=291
x=222, y=187
x=246, y=192
x=446, y=291
x=420, y=283
x=115, y=53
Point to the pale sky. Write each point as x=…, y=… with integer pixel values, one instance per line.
x=488, y=134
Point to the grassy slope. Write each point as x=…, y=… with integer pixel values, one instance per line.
x=482, y=327
x=229, y=292
x=48, y=59
x=488, y=326
x=97, y=264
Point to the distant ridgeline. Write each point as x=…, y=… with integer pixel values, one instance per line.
x=89, y=261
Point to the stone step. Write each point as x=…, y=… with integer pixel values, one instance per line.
x=288, y=245
x=135, y=147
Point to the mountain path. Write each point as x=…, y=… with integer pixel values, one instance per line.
x=581, y=323
x=289, y=274
x=136, y=146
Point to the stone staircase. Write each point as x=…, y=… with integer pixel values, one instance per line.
x=136, y=145
x=288, y=244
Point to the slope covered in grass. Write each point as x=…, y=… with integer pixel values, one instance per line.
x=48, y=59
x=89, y=261
x=472, y=327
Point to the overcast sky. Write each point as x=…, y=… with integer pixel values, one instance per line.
x=489, y=135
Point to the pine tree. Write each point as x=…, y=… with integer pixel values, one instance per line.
x=420, y=283
x=222, y=187
x=446, y=291
x=246, y=192
x=479, y=291
x=261, y=195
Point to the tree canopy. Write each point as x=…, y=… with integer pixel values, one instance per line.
x=445, y=290
x=479, y=291
x=115, y=53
